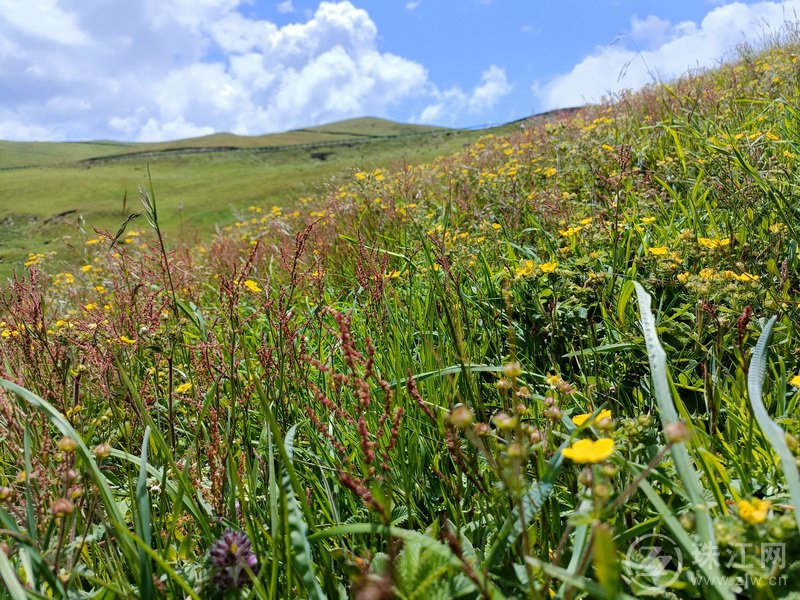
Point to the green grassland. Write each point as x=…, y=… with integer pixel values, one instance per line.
x=46, y=208
x=560, y=361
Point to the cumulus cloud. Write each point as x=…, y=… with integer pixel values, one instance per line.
x=285, y=7
x=162, y=69
x=43, y=19
x=454, y=101
x=658, y=50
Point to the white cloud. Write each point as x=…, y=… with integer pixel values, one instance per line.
x=663, y=51
x=285, y=7
x=43, y=19
x=160, y=69
x=413, y=5
x=454, y=102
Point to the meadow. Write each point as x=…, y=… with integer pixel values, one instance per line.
x=562, y=362
x=53, y=193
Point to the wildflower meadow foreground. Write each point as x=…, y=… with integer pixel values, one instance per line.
x=561, y=363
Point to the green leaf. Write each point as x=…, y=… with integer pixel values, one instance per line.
x=772, y=431
x=622, y=303
x=298, y=531
x=13, y=586
x=606, y=565
x=680, y=455
x=666, y=408
x=143, y=522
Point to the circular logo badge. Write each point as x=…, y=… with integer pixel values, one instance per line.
x=653, y=563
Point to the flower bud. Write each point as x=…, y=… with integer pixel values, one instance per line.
x=601, y=491
x=62, y=507
x=514, y=450
x=512, y=369
x=462, y=416
x=67, y=444
x=504, y=384
x=481, y=429
x=504, y=422
x=677, y=432
x=586, y=477
x=102, y=450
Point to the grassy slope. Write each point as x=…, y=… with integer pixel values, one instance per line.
x=197, y=190
x=23, y=154
x=27, y=154
x=494, y=287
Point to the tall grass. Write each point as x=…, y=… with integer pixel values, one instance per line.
x=434, y=382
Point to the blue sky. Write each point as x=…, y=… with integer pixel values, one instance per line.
x=164, y=69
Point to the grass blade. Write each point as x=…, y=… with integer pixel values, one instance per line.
x=772, y=431
x=115, y=517
x=9, y=577
x=302, y=556
x=666, y=408
x=669, y=414
x=143, y=521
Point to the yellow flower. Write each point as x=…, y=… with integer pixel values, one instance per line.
x=648, y=220
x=524, y=269
x=570, y=231
x=754, y=511
x=777, y=228
x=553, y=380
x=183, y=388
x=126, y=340
x=795, y=381
x=683, y=277
x=589, y=452
x=550, y=171
x=744, y=277
x=658, y=250
x=63, y=278
x=713, y=243
x=86, y=268
x=252, y=286
x=496, y=226
x=708, y=273
x=581, y=419
x=548, y=267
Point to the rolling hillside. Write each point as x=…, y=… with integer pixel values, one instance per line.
x=50, y=192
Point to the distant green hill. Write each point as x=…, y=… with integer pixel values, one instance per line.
x=50, y=191
x=30, y=154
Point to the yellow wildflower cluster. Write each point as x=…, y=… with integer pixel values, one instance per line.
x=754, y=511
x=713, y=243
x=35, y=258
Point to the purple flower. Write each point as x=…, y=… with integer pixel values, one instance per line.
x=230, y=555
